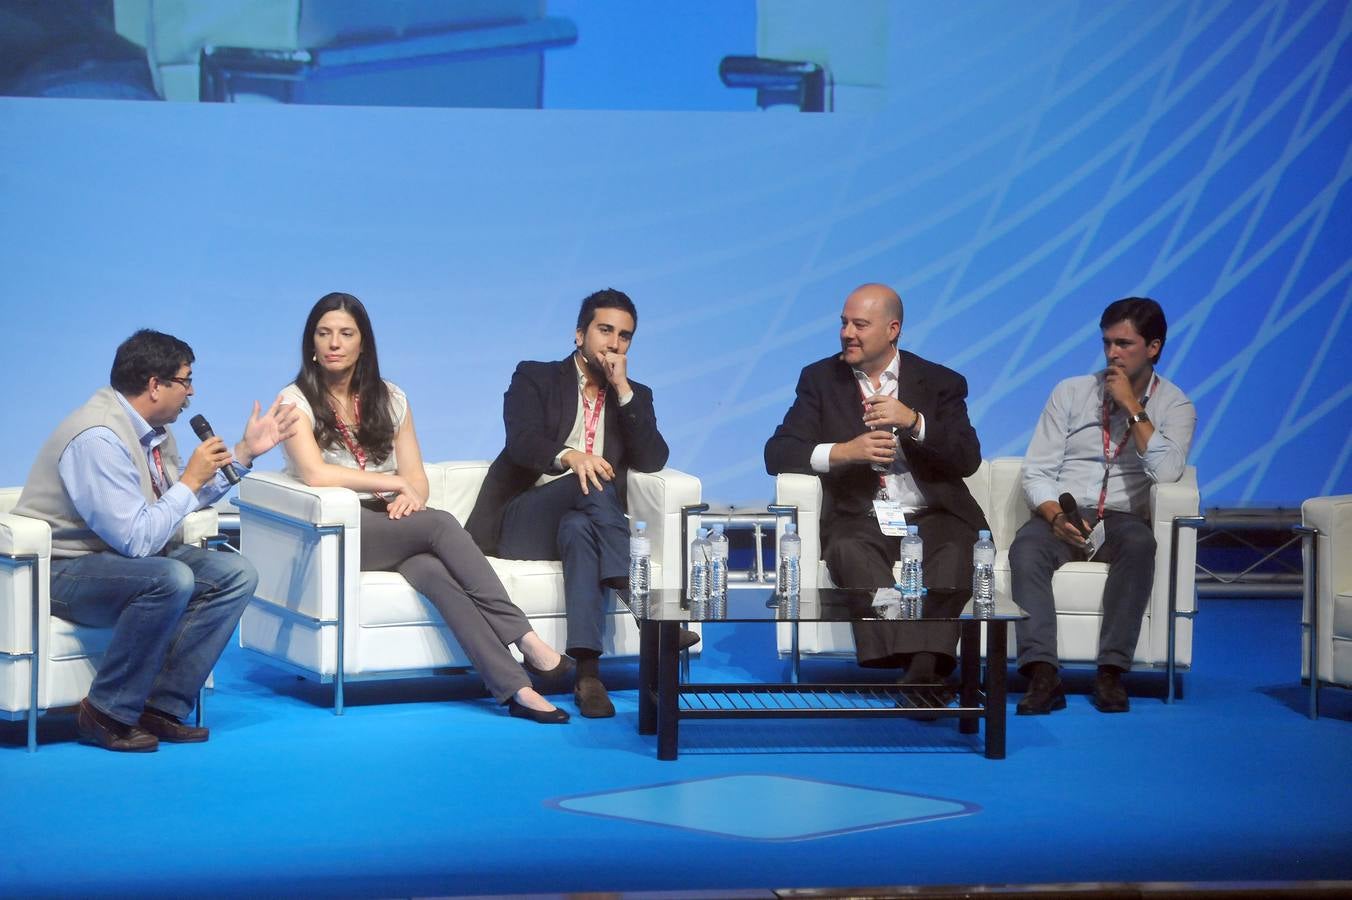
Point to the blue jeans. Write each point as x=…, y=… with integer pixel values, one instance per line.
x=171, y=616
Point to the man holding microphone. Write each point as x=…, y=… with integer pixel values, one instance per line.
x=109, y=483
x=1102, y=441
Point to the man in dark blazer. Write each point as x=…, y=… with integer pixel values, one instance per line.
x=557, y=491
x=878, y=423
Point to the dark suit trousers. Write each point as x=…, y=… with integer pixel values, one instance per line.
x=588, y=532
x=859, y=555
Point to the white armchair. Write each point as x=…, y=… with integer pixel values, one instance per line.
x=314, y=606
x=47, y=662
x=1077, y=586
x=1326, y=523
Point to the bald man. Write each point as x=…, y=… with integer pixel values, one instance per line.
x=880, y=425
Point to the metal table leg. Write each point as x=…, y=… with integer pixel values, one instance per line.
x=647, y=677
x=997, y=635
x=969, y=651
x=668, y=688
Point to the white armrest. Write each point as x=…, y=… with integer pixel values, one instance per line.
x=1177, y=498
x=1331, y=515
x=200, y=525
x=297, y=570
x=20, y=534
x=1332, y=584
x=804, y=492
x=657, y=498
x=280, y=493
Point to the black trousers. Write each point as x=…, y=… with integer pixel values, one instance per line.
x=859, y=555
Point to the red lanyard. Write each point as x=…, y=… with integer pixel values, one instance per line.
x=1107, y=443
x=160, y=484
x=352, y=446
x=591, y=415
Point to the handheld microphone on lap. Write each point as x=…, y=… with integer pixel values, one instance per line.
x=1068, y=506
x=204, y=433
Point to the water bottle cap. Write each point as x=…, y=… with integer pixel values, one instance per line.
x=718, y=527
x=912, y=529
x=790, y=528
x=640, y=525
x=984, y=535
x=703, y=532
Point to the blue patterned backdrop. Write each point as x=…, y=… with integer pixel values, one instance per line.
x=1023, y=165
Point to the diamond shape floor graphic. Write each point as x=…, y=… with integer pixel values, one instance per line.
x=765, y=807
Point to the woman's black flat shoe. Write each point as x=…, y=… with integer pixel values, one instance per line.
x=554, y=716
x=558, y=680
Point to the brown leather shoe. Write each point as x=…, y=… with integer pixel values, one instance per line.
x=1109, y=695
x=592, y=699
x=167, y=728
x=1045, y=692
x=101, y=730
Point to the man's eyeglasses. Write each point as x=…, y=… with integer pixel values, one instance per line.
x=186, y=382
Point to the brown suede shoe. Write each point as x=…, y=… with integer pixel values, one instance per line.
x=167, y=728
x=592, y=699
x=101, y=730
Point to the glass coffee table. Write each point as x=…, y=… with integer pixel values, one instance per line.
x=664, y=701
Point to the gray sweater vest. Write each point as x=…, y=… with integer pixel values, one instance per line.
x=44, y=496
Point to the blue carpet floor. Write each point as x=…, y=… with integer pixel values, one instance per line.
x=426, y=787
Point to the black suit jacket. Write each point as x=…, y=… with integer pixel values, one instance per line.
x=539, y=410
x=829, y=409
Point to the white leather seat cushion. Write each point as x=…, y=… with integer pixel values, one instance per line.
x=72, y=641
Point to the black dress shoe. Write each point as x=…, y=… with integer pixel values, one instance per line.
x=1045, y=692
x=556, y=680
x=94, y=727
x=167, y=728
x=592, y=699
x=553, y=716
x=1109, y=695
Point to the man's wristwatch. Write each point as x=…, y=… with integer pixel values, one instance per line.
x=1141, y=416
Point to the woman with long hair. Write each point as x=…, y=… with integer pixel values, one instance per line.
x=362, y=438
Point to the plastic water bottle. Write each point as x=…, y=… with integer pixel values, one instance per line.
x=640, y=562
x=790, y=575
x=983, y=575
x=912, y=582
x=701, y=565
x=718, y=585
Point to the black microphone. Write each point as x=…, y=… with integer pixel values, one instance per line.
x=1068, y=506
x=204, y=433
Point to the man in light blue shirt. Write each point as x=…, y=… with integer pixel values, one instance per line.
x=1104, y=439
x=110, y=485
